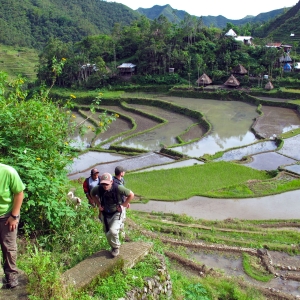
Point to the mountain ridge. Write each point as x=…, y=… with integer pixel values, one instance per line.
x=218, y=21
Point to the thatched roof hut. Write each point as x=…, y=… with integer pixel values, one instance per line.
x=232, y=81
x=204, y=80
x=269, y=86
x=239, y=69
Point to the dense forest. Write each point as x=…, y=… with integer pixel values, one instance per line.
x=155, y=46
x=31, y=23
x=94, y=37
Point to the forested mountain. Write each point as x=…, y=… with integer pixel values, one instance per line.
x=280, y=28
x=175, y=16
x=32, y=22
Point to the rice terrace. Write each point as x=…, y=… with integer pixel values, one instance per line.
x=169, y=137
x=201, y=114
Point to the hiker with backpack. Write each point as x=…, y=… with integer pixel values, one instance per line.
x=89, y=183
x=119, y=179
x=108, y=196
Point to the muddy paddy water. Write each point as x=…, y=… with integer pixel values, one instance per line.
x=281, y=206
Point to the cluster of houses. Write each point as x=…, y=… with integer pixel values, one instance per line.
x=285, y=60
x=232, y=81
x=126, y=70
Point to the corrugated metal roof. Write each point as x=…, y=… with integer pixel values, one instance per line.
x=126, y=65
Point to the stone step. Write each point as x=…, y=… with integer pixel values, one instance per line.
x=99, y=264
x=102, y=263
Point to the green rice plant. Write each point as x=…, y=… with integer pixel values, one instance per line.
x=254, y=269
x=186, y=182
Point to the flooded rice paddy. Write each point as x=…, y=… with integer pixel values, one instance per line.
x=293, y=168
x=276, y=120
x=164, y=135
x=231, y=123
x=291, y=147
x=238, y=154
x=79, y=141
x=269, y=161
x=90, y=159
x=281, y=206
x=106, y=162
x=232, y=265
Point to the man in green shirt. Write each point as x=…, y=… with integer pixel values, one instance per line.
x=11, y=198
x=109, y=198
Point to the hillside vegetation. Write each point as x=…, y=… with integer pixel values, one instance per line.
x=31, y=23
x=280, y=28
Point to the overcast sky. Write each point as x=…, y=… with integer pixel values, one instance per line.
x=234, y=9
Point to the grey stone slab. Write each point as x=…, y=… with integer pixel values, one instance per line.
x=102, y=263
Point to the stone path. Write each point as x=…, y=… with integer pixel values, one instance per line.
x=86, y=271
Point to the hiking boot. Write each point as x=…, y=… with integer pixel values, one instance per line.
x=11, y=281
x=115, y=252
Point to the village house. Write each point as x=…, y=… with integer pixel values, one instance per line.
x=246, y=40
x=126, y=69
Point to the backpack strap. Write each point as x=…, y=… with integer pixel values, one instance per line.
x=101, y=192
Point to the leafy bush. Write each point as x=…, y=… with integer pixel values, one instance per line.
x=44, y=276
x=35, y=135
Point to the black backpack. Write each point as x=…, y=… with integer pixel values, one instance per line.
x=119, y=182
x=110, y=202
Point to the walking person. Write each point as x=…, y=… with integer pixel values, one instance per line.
x=108, y=197
x=118, y=178
x=89, y=183
x=11, y=199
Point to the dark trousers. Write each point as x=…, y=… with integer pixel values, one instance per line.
x=8, y=241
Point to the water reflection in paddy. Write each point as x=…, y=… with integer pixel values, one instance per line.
x=281, y=206
x=237, y=154
x=79, y=141
x=91, y=158
x=163, y=135
x=231, y=122
x=291, y=147
x=269, y=161
x=294, y=169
